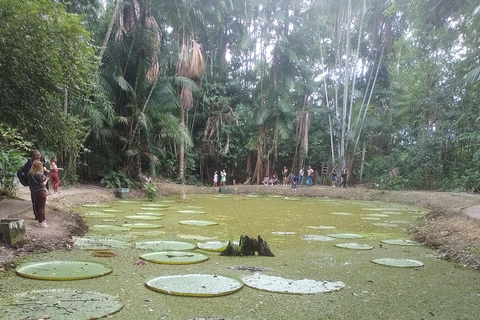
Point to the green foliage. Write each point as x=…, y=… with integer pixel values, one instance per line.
x=116, y=179
x=10, y=162
x=45, y=56
x=151, y=190
x=11, y=138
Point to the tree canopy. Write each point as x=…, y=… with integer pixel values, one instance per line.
x=184, y=88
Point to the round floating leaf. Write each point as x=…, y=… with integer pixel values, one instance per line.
x=156, y=205
x=113, y=210
x=283, y=233
x=213, y=245
x=195, y=285
x=345, y=236
x=98, y=214
x=97, y=205
x=59, y=304
x=195, y=237
x=63, y=270
x=149, y=233
x=108, y=228
x=104, y=253
x=400, y=242
x=144, y=218
x=97, y=243
x=342, y=213
x=156, y=214
x=321, y=227
x=400, y=263
x=354, y=246
x=153, y=209
x=165, y=245
x=314, y=237
x=201, y=223
x=142, y=225
x=175, y=257
x=129, y=202
x=376, y=215
x=282, y=285
x=191, y=211
x=385, y=224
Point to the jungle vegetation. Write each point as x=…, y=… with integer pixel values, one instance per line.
x=182, y=88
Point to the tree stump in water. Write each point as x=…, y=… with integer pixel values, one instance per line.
x=248, y=246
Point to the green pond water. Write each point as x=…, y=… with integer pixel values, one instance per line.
x=294, y=228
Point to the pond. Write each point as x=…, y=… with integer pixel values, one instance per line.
x=318, y=239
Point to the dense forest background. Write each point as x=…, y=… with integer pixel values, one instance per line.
x=181, y=88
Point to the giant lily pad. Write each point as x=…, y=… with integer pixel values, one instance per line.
x=195, y=285
x=142, y=225
x=97, y=205
x=191, y=211
x=129, y=202
x=113, y=210
x=108, y=228
x=342, y=213
x=282, y=285
x=175, y=257
x=98, y=214
x=345, y=236
x=158, y=214
x=156, y=205
x=376, y=215
x=354, y=246
x=59, y=304
x=284, y=233
x=400, y=242
x=201, y=223
x=153, y=209
x=314, y=237
x=399, y=263
x=63, y=270
x=165, y=245
x=321, y=227
x=214, y=245
x=95, y=243
x=144, y=218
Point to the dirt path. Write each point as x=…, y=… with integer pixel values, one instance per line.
x=453, y=225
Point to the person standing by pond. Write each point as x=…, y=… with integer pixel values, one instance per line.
x=300, y=177
x=344, y=177
x=334, y=176
x=37, y=182
x=223, y=178
x=26, y=170
x=284, y=175
x=215, y=180
x=54, y=174
x=309, y=175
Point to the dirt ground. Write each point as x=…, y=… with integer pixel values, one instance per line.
x=452, y=227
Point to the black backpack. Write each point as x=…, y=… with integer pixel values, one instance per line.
x=22, y=173
x=22, y=177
